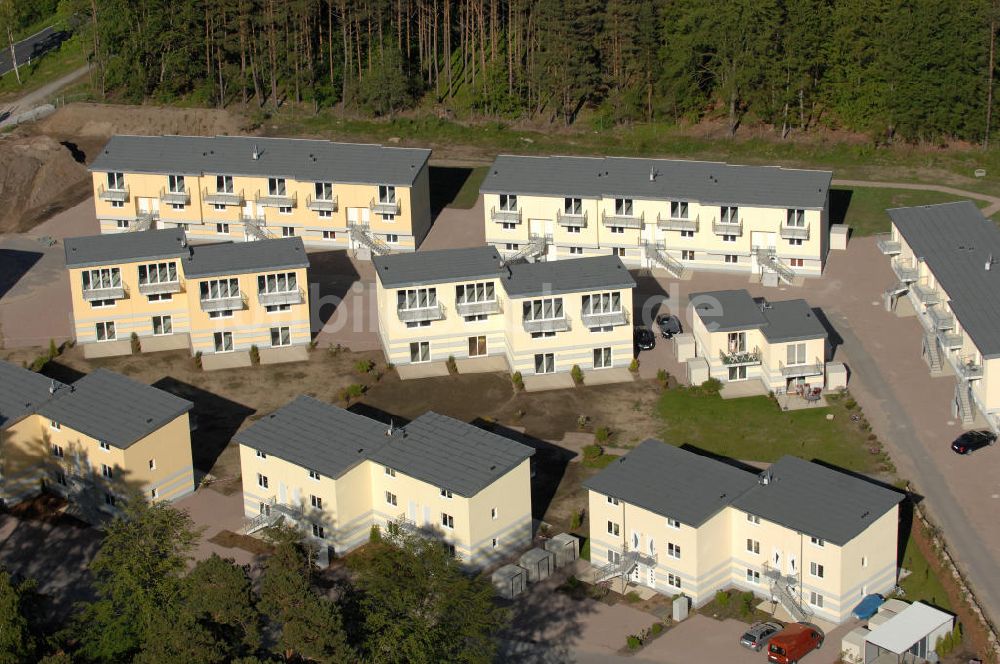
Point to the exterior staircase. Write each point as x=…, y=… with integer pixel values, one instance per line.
x=964, y=403
x=362, y=235
x=768, y=258
x=536, y=247
x=144, y=222
x=931, y=352
x=660, y=257
x=892, y=295
x=620, y=569
x=781, y=591
x=257, y=229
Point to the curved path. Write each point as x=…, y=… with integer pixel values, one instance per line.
x=988, y=211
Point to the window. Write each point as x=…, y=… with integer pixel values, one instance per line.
x=222, y=229
x=262, y=481
x=281, y=336
x=545, y=363
x=391, y=238
x=324, y=191
x=797, y=262
x=276, y=187
x=576, y=251
x=602, y=358
x=261, y=455
x=614, y=556
x=864, y=561
x=152, y=464
x=329, y=235
x=175, y=184
x=738, y=373
x=795, y=242
x=496, y=542
x=815, y=599
x=279, y=282
x=219, y=207
x=61, y=477
x=613, y=529
x=673, y=550
x=543, y=309
x=109, y=499
x=389, y=217
x=227, y=313
x=54, y=425
x=152, y=493
x=619, y=251
x=508, y=202
x=753, y=546
x=573, y=229
x=218, y=289
x=121, y=223
x=391, y=472
x=117, y=204
x=796, y=354
x=277, y=308
x=617, y=230
x=612, y=500
x=316, y=502
x=287, y=231
x=224, y=184
x=494, y=513
x=508, y=225
x=313, y=475
x=416, y=298
x=732, y=258
x=674, y=580
x=477, y=346
x=106, y=471
x=601, y=303
x=223, y=342
x=482, y=291
x=100, y=304
x=106, y=331
x=101, y=279
x=158, y=273
x=116, y=181
x=162, y=325
x=753, y=519
x=57, y=451
x=418, y=323
x=753, y=576
x=573, y=205
x=795, y=218
x=623, y=207
x=386, y=193
x=318, y=531
x=447, y=520
x=420, y=351
x=511, y=246
x=177, y=206
x=450, y=548
x=687, y=233
x=816, y=570
x=542, y=335
x=159, y=297
x=104, y=445
x=678, y=209
x=390, y=498
x=687, y=255
x=729, y=238
x=729, y=214
x=673, y=523
x=445, y=493
x=324, y=214
x=816, y=541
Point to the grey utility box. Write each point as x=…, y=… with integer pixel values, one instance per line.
x=680, y=608
x=539, y=563
x=510, y=581
x=565, y=548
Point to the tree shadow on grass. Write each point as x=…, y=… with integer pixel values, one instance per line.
x=445, y=183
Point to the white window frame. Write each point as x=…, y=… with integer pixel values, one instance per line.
x=547, y=362
x=817, y=541
x=107, y=329
x=316, y=502
x=614, y=529
x=391, y=472
x=223, y=340
x=603, y=358
x=815, y=599
x=753, y=518
x=679, y=209
x=674, y=550
x=674, y=580
x=262, y=481
x=390, y=499
x=276, y=187
x=753, y=546
x=508, y=202
x=753, y=576
x=283, y=335
x=543, y=308
x=104, y=445
x=447, y=521
x=175, y=184
x=421, y=350
x=673, y=523
x=166, y=325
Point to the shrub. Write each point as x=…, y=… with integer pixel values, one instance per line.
x=334, y=351
x=374, y=534
x=662, y=377
x=133, y=340
x=746, y=603
x=850, y=404
x=711, y=387
x=577, y=373
x=54, y=350
x=254, y=355
x=632, y=597
x=602, y=435
x=633, y=642
x=634, y=365
x=518, y=380
x=39, y=363
x=364, y=366
x=197, y=359
x=576, y=520
x=656, y=628
x=582, y=422
x=722, y=599
x=352, y=391
x=452, y=365
x=585, y=549
x=592, y=451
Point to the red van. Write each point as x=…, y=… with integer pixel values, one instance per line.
x=793, y=643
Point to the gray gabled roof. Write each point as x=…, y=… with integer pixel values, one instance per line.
x=22, y=392
x=673, y=482
x=300, y=159
x=956, y=242
x=112, y=408
x=451, y=454
x=782, y=321
x=818, y=501
x=567, y=276
x=208, y=260
x=435, y=267
x=315, y=435
x=123, y=247
x=701, y=181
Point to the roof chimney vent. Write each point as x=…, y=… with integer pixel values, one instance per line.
x=765, y=477
x=652, y=173
x=989, y=262
x=52, y=386
x=256, y=152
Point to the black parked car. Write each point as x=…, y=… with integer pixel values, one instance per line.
x=644, y=338
x=970, y=441
x=669, y=325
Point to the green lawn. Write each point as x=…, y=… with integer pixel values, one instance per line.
x=922, y=584
x=753, y=429
x=866, y=206
x=469, y=193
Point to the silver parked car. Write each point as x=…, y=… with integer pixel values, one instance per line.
x=759, y=634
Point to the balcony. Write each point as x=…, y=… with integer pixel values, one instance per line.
x=970, y=369
x=794, y=232
x=905, y=270
x=740, y=358
x=941, y=319
x=279, y=298
x=420, y=314
x=505, y=216
x=322, y=204
x=182, y=197
x=670, y=224
x=221, y=197
x=478, y=308
x=277, y=200
x=799, y=370
x=230, y=303
x=604, y=319
x=546, y=325
x=623, y=220
x=160, y=287
x=887, y=245
x=727, y=228
x=950, y=340
x=104, y=293
x=571, y=220
x=113, y=195
x=384, y=207
x=925, y=293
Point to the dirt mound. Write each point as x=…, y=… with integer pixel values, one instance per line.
x=100, y=121
x=39, y=177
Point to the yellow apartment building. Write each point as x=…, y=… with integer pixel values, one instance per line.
x=92, y=441
x=812, y=538
x=335, y=474
x=660, y=213
x=215, y=299
x=780, y=343
x=366, y=198
x=943, y=258
x=491, y=314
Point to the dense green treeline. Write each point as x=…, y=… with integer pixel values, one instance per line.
x=908, y=69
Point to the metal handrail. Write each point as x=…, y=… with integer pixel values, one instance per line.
x=633, y=221
x=571, y=220
x=505, y=216
x=740, y=357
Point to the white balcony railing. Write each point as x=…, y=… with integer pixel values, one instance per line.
x=727, y=228
x=505, y=216
x=671, y=224
x=941, y=319
x=569, y=220
x=905, y=270
x=623, y=220
x=182, y=197
x=970, y=369
x=322, y=204
x=277, y=200
x=887, y=245
x=797, y=370
x=604, y=318
x=794, y=232
x=230, y=198
x=278, y=298
x=230, y=303
x=104, y=293
x=546, y=325
x=384, y=207
x=420, y=314
x=926, y=294
x=160, y=287
x=478, y=308
x=114, y=195
x=739, y=358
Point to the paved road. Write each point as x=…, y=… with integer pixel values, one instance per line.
x=990, y=210
x=31, y=47
x=39, y=96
